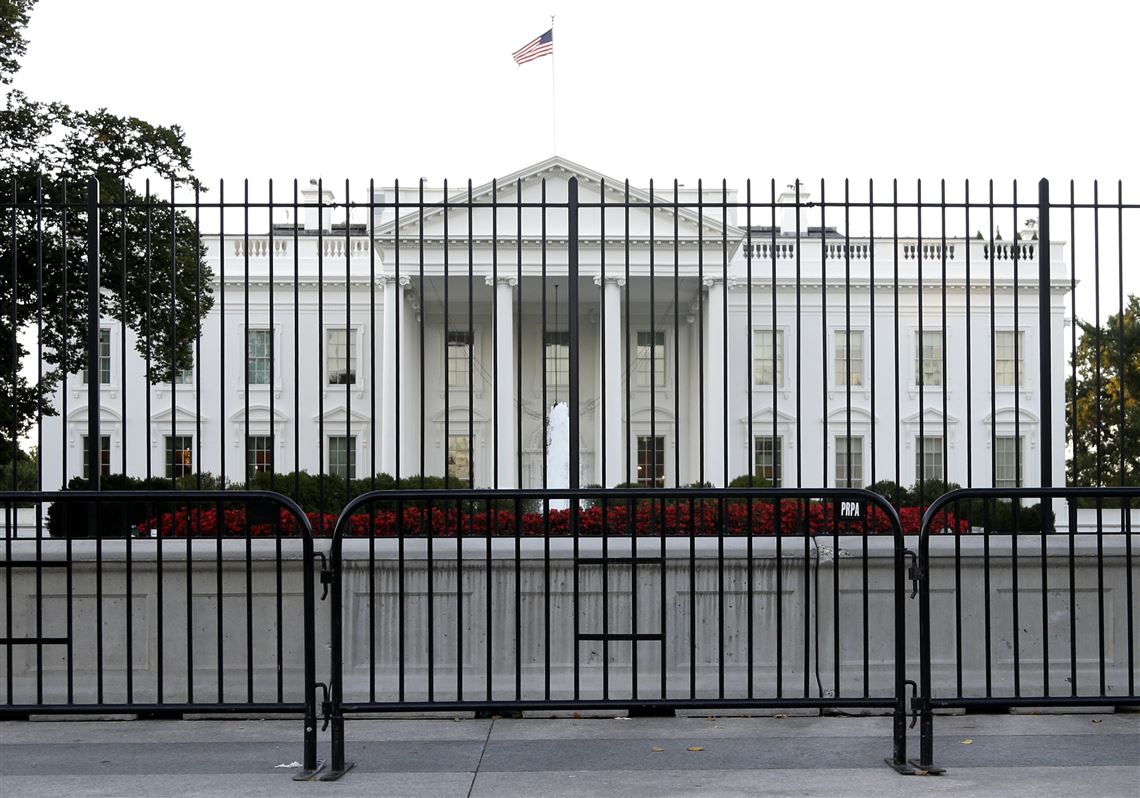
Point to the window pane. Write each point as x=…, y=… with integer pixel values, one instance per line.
x=849, y=347
x=340, y=352
x=557, y=346
x=768, y=456
x=1009, y=358
x=651, y=461
x=259, y=453
x=104, y=357
x=650, y=358
x=104, y=455
x=928, y=458
x=459, y=464
x=179, y=455
x=184, y=377
x=928, y=359
x=768, y=356
x=849, y=462
x=1007, y=462
x=342, y=456
x=459, y=358
x=258, y=343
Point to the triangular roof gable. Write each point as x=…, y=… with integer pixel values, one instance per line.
x=557, y=171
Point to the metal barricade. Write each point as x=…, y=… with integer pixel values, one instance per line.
x=648, y=600
x=159, y=603
x=1048, y=618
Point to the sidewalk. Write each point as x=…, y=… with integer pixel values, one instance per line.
x=985, y=755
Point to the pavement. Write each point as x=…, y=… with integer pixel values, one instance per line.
x=984, y=755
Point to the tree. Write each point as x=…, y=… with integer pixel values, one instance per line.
x=153, y=277
x=1104, y=435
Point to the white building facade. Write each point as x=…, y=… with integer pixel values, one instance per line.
x=433, y=338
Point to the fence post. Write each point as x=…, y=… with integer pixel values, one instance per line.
x=572, y=298
x=1044, y=307
x=94, y=448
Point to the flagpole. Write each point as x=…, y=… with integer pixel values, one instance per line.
x=553, y=95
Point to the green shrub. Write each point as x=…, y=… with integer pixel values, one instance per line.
x=750, y=481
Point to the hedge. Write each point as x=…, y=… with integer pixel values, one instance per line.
x=685, y=519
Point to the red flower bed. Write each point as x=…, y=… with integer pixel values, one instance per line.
x=683, y=519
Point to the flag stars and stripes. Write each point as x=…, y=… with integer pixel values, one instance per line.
x=536, y=48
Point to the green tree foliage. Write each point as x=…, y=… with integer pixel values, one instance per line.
x=1102, y=403
x=151, y=265
x=13, y=20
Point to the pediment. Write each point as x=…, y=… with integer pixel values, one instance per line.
x=180, y=415
x=764, y=416
x=859, y=415
x=259, y=413
x=662, y=415
x=1011, y=415
x=549, y=180
x=79, y=414
x=338, y=414
x=459, y=416
x=930, y=416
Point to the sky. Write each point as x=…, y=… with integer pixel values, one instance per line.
x=713, y=90
x=643, y=89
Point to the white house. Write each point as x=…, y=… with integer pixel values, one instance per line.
x=708, y=350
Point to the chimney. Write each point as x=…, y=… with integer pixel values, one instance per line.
x=317, y=218
x=787, y=201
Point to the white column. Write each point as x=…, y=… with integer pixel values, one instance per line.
x=505, y=424
x=611, y=404
x=389, y=341
x=714, y=387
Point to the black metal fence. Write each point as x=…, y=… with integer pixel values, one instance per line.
x=645, y=600
x=707, y=336
x=1056, y=613
x=551, y=337
x=180, y=603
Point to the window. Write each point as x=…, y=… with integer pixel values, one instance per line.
x=184, y=377
x=259, y=453
x=459, y=464
x=768, y=357
x=651, y=461
x=1009, y=358
x=928, y=359
x=767, y=451
x=1007, y=462
x=104, y=455
x=341, y=353
x=104, y=357
x=849, y=462
x=258, y=350
x=849, y=356
x=179, y=456
x=459, y=358
x=342, y=456
x=928, y=458
x=650, y=359
x=557, y=359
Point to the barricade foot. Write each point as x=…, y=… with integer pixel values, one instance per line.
x=333, y=775
x=904, y=768
x=926, y=770
x=309, y=775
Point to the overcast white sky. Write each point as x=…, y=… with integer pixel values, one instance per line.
x=644, y=89
x=714, y=90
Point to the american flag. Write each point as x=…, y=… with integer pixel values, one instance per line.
x=537, y=48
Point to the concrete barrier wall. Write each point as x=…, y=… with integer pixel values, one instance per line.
x=827, y=596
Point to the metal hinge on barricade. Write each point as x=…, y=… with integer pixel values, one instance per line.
x=915, y=702
x=326, y=574
x=913, y=572
x=326, y=705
